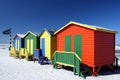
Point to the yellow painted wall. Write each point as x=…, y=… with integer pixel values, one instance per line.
x=46, y=36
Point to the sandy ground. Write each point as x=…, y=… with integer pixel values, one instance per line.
x=16, y=69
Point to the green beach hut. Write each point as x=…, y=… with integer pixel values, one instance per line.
x=31, y=42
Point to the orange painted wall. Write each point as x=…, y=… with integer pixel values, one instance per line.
x=87, y=42
x=104, y=48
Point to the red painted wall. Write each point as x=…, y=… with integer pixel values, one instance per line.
x=87, y=42
x=104, y=48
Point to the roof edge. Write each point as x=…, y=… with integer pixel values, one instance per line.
x=86, y=26
x=18, y=36
x=29, y=32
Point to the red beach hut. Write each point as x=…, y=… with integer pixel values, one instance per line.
x=94, y=46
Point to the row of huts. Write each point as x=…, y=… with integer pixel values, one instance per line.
x=44, y=44
x=76, y=45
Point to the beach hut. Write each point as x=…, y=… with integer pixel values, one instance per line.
x=47, y=43
x=18, y=43
x=91, y=46
x=31, y=42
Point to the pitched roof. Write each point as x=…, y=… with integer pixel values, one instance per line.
x=50, y=32
x=19, y=35
x=30, y=33
x=36, y=33
x=96, y=28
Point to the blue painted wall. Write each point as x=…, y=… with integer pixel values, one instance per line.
x=43, y=47
x=21, y=42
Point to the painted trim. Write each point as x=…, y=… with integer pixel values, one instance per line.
x=44, y=31
x=31, y=46
x=17, y=35
x=15, y=44
x=28, y=42
x=18, y=45
x=86, y=26
x=30, y=33
x=69, y=53
x=65, y=64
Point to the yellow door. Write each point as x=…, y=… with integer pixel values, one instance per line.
x=28, y=45
x=18, y=45
x=31, y=46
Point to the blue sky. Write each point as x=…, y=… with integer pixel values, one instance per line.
x=35, y=15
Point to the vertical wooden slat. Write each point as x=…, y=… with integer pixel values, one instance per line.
x=31, y=43
x=18, y=45
x=28, y=45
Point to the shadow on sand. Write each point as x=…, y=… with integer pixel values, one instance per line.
x=106, y=71
x=103, y=71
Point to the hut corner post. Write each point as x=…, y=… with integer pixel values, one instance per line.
x=94, y=71
x=110, y=66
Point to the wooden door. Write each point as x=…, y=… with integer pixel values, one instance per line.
x=68, y=43
x=78, y=45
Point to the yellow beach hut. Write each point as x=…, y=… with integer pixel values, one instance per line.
x=47, y=43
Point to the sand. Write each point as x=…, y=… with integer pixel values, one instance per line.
x=20, y=69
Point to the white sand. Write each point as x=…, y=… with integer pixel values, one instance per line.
x=16, y=69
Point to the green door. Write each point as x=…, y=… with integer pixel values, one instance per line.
x=68, y=43
x=78, y=45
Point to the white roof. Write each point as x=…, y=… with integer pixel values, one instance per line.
x=21, y=35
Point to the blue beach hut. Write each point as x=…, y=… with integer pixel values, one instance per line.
x=18, y=42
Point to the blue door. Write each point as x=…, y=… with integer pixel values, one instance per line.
x=43, y=47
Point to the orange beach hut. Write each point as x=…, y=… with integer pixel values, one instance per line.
x=93, y=46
